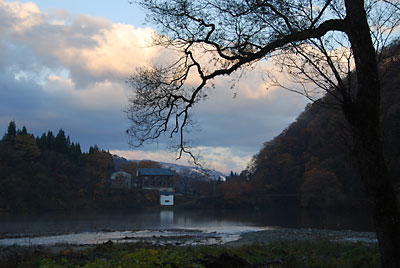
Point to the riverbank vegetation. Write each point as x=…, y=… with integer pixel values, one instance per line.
x=288, y=254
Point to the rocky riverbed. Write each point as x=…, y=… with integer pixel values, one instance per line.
x=197, y=237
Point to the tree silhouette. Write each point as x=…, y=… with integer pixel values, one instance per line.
x=61, y=142
x=325, y=45
x=11, y=131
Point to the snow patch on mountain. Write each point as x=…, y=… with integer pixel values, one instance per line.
x=179, y=169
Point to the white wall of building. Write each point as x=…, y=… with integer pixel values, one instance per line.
x=166, y=199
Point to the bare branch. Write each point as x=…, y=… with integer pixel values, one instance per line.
x=233, y=35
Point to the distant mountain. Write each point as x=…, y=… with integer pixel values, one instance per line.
x=180, y=169
x=119, y=161
x=193, y=171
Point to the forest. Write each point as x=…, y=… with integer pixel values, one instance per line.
x=52, y=173
x=49, y=172
x=312, y=157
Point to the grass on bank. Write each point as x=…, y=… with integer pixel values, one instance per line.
x=288, y=254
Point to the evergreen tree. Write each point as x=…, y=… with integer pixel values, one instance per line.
x=61, y=142
x=93, y=149
x=22, y=132
x=75, y=152
x=50, y=141
x=42, y=142
x=11, y=131
x=68, y=142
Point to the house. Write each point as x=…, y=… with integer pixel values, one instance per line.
x=160, y=179
x=155, y=178
x=121, y=180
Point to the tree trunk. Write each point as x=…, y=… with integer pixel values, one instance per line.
x=362, y=112
x=380, y=193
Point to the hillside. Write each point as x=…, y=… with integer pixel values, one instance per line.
x=312, y=157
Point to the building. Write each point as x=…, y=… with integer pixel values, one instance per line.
x=160, y=179
x=166, y=198
x=121, y=180
x=155, y=178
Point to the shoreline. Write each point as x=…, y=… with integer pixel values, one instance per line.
x=246, y=238
x=290, y=234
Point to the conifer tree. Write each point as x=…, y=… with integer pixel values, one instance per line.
x=11, y=131
x=61, y=143
x=23, y=131
x=50, y=140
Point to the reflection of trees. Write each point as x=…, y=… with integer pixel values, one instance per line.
x=320, y=189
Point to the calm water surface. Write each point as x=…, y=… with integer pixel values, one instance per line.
x=92, y=227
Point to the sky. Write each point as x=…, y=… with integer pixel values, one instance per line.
x=64, y=64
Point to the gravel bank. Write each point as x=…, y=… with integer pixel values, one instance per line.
x=303, y=234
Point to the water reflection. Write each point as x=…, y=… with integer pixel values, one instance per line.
x=166, y=218
x=122, y=220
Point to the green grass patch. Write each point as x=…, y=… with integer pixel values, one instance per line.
x=290, y=254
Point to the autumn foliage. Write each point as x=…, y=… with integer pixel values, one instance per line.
x=312, y=156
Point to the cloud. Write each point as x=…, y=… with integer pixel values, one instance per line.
x=223, y=159
x=245, y=116
x=17, y=17
x=59, y=70
x=99, y=96
x=92, y=48
x=70, y=74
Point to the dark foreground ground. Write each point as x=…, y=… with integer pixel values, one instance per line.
x=271, y=248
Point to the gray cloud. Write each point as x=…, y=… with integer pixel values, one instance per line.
x=71, y=75
x=244, y=122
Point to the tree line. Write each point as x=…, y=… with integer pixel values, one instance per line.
x=49, y=172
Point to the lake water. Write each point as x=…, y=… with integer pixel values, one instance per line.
x=166, y=225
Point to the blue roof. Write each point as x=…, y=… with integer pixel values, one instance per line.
x=167, y=193
x=155, y=172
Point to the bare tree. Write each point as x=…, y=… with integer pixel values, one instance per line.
x=332, y=46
